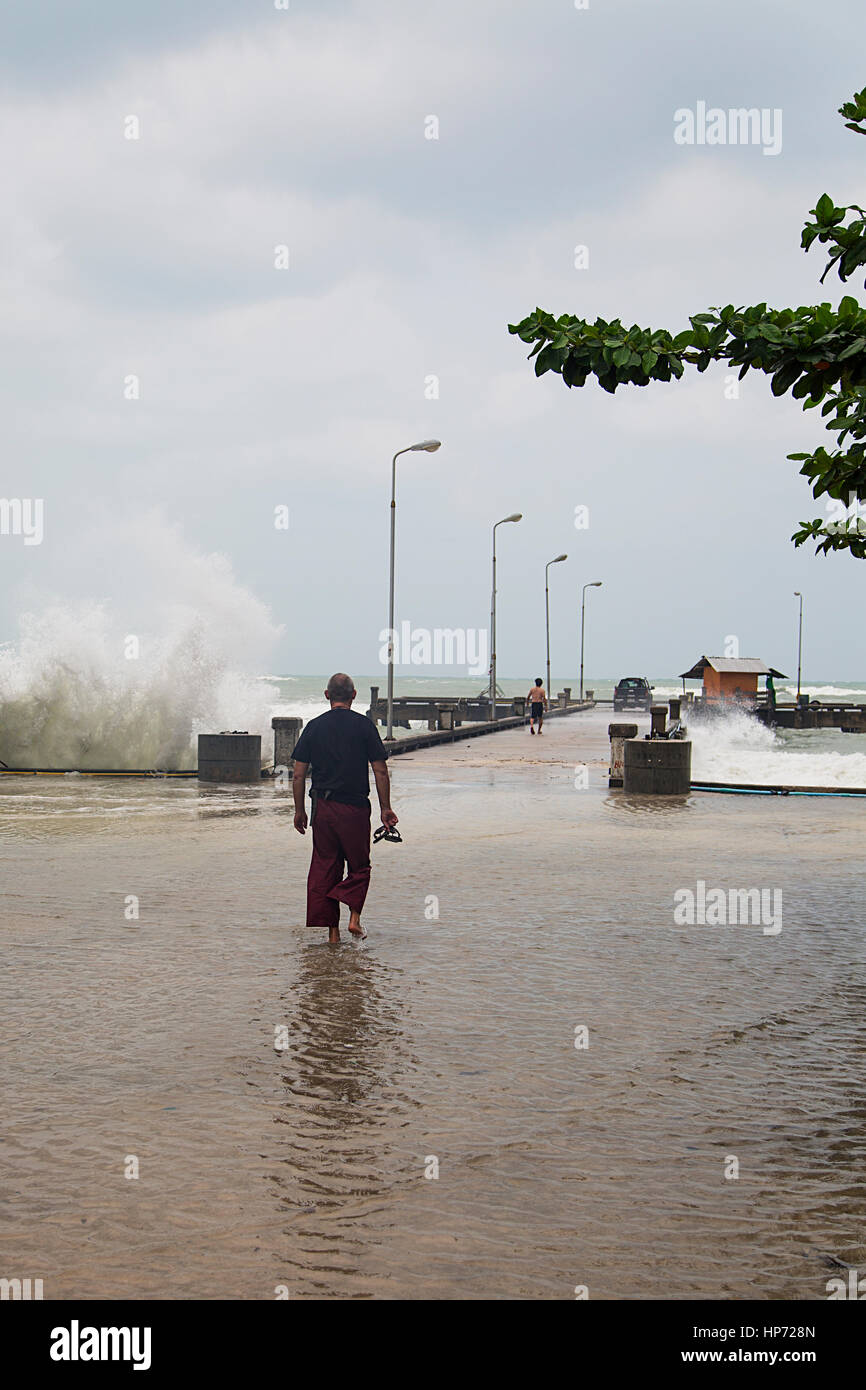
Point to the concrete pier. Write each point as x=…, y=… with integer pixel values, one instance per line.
x=815, y=714
x=409, y=743
x=449, y=713
x=230, y=757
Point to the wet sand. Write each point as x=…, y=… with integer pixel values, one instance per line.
x=450, y=1038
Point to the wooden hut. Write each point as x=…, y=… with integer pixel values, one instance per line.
x=732, y=678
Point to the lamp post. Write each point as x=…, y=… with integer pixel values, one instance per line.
x=428, y=446
x=593, y=584
x=491, y=713
x=798, y=595
x=558, y=560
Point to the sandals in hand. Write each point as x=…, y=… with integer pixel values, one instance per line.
x=387, y=832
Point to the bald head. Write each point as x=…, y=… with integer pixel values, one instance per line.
x=341, y=689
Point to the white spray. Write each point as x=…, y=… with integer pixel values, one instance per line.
x=737, y=748
x=76, y=692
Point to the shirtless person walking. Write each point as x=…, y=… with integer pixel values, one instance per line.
x=537, y=698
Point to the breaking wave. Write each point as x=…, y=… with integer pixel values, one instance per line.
x=736, y=748
x=78, y=689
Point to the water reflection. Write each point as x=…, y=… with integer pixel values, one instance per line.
x=645, y=805
x=345, y=1082
x=221, y=801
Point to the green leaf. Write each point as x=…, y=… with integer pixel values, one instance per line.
x=857, y=346
x=785, y=378
x=573, y=373
x=824, y=209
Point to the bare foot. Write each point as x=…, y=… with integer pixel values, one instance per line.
x=333, y=936
x=355, y=926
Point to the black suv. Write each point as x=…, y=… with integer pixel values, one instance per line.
x=633, y=692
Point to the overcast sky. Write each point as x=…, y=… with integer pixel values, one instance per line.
x=408, y=256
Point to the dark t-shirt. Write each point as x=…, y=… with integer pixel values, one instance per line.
x=339, y=746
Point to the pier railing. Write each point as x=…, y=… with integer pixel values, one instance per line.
x=789, y=714
x=835, y=714
x=450, y=712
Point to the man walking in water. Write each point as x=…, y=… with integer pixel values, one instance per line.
x=340, y=745
x=537, y=698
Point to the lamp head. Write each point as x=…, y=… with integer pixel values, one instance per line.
x=515, y=516
x=558, y=558
x=429, y=446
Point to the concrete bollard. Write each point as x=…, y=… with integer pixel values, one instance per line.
x=659, y=766
x=674, y=706
x=618, y=733
x=234, y=757
x=658, y=720
x=590, y=695
x=286, y=734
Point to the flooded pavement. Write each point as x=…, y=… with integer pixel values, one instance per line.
x=609, y=1099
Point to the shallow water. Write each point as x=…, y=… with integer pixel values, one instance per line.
x=451, y=1038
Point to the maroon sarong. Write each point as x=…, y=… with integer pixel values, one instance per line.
x=341, y=835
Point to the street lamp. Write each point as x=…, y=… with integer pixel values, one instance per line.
x=557, y=561
x=798, y=595
x=491, y=713
x=427, y=446
x=594, y=584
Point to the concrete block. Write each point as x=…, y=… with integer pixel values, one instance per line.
x=658, y=766
x=235, y=757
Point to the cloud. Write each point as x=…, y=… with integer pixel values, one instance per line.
x=408, y=257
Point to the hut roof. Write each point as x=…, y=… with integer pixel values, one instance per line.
x=744, y=665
